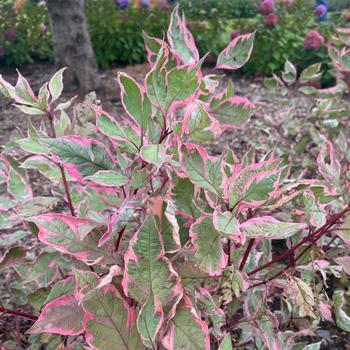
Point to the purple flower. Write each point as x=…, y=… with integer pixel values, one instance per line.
x=42, y=28
x=313, y=40
x=268, y=6
x=145, y=3
x=10, y=34
x=320, y=10
x=123, y=4
x=271, y=19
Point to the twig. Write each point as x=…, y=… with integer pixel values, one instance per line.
x=63, y=174
x=18, y=314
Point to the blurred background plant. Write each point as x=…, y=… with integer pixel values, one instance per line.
x=116, y=28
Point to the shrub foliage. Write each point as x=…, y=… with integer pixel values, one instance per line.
x=155, y=243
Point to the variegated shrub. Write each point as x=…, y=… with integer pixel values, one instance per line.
x=153, y=242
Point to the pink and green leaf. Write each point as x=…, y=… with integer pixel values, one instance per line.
x=181, y=39
x=61, y=316
x=237, y=53
x=109, y=322
x=209, y=252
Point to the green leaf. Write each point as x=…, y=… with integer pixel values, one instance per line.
x=81, y=156
x=182, y=83
x=111, y=326
x=135, y=100
x=44, y=166
x=18, y=186
x=341, y=310
x=233, y=112
x=154, y=154
x=149, y=277
x=202, y=171
x=289, y=74
x=30, y=110
x=56, y=84
x=109, y=126
x=73, y=236
x=186, y=330
x=108, y=178
x=32, y=146
x=266, y=227
x=63, y=315
x=226, y=344
x=12, y=256
x=180, y=38
x=209, y=253
x=226, y=223
x=63, y=125
x=237, y=53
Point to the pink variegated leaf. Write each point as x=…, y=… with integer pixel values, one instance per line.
x=71, y=235
x=233, y=111
x=343, y=230
x=237, y=53
x=253, y=185
x=20, y=93
x=24, y=91
x=209, y=253
x=267, y=227
x=329, y=166
x=227, y=224
x=127, y=132
x=314, y=215
x=150, y=278
x=233, y=284
x=109, y=322
x=326, y=311
x=61, y=316
x=199, y=124
x=43, y=271
x=56, y=84
x=341, y=310
x=186, y=330
x=211, y=310
x=181, y=39
x=153, y=46
x=18, y=186
x=202, y=170
x=117, y=221
x=81, y=156
x=13, y=256
x=135, y=100
x=154, y=154
x=344, y=262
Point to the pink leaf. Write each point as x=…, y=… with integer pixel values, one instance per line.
x=61, y=316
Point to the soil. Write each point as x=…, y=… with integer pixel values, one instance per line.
x=270, y=105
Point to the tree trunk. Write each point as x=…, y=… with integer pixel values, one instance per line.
x=72, y=45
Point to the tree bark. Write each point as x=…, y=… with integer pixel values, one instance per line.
x=72, y=45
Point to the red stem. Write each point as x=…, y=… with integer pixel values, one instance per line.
x=250, y=244
x=229, y=252
x=246, y=254
x=319, y=232
x=119, y=239
x=18, y=314
x=63, y=174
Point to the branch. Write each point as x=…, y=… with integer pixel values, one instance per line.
x=319, y=232
x=63, y=174
x=18, y=314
